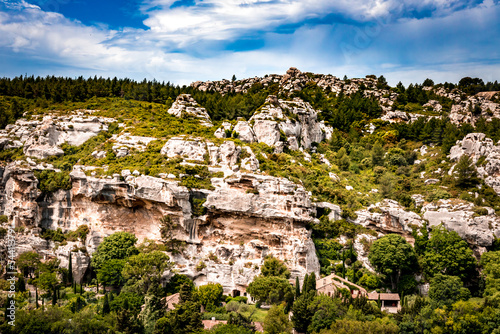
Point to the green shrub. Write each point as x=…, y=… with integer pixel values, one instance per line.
x=50, y=181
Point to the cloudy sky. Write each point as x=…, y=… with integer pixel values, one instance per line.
x=187, y=40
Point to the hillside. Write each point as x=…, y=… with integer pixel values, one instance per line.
x=305, y=168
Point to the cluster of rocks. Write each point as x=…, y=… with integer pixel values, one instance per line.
x=295, y=80
x=473, y=108
x=42, y=137
x=388, y=216
x=398, y=116
x=456, y=215
x=185, y=105
x=199, y=150
x=124, y=143
x=296, y=120
x=477, y=145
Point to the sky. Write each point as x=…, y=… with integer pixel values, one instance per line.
x=182, y=41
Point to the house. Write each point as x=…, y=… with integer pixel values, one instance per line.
x=328, y=285
x=390, y=302
x=171, y=300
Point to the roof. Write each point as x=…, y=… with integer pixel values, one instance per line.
x=383, y=296
x=170, y=301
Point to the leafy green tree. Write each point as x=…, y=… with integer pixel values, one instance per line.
x=153, y=308
x=110, y=274
x=377, y=155
x=47, y=281
x=28, y=262
x=185, y=318
x=343, y=160
x=324, y=310
x=490, y=262
x=241, y=320
x=209, y=295
x=466, y=172
x=392, y=255
x=274, y=267
x=143, y=269
x=230, y=329
x=276, y=321
x=347, y=326
x=119, y=245
x=446, y=290
x=270, y=289
x=448, y=254
x=175, y=283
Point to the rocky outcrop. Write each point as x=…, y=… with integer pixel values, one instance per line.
x=459, y=216
x=185, y=105
x=388, y=216
x=477, y=145
x=192, y=149
x=245, y=132
x=400, y=116
x=43, y=138
x=248, y=217
x=279, y=123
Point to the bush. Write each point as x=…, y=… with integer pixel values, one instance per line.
x=50, y=181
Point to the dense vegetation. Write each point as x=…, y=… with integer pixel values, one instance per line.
x=124, y=292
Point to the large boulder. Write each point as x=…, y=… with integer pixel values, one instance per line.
x=190, y=149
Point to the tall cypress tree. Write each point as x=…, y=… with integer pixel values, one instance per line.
x=297, y=288
x=36, y=296
x=105, y=305
x=54, y=296
x=304, y=285
x=312, y=282
x=70, y=269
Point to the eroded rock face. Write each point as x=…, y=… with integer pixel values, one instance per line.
x=267, y=132
x=248, y=217
x=245, y=132
x=388, y=216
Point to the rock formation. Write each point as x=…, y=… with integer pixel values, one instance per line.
x=185, y=104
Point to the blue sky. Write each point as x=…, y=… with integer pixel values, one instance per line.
x=187, y=40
